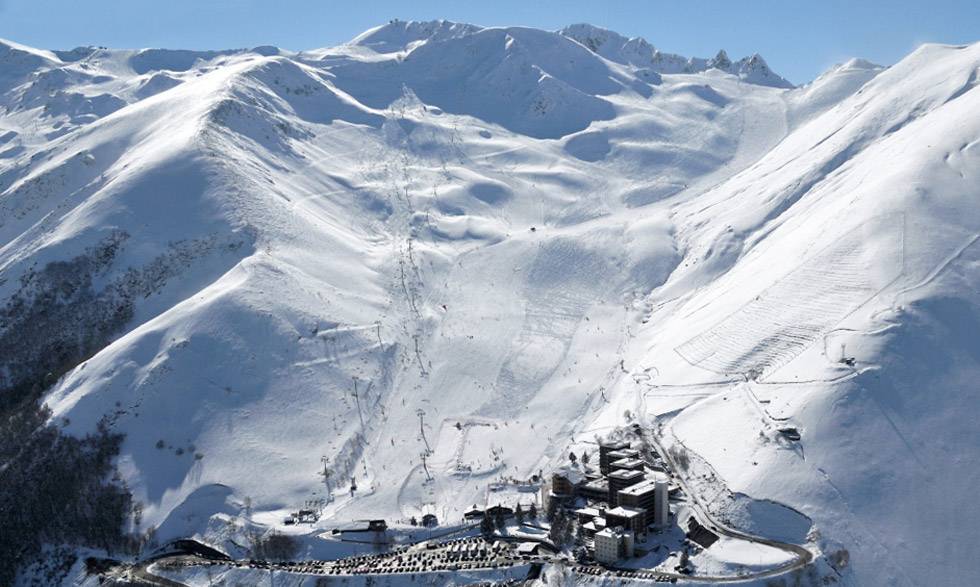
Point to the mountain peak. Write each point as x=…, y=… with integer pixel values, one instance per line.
x=721, y=61
x=17, y=62
x=858, y=63
x=402, y=35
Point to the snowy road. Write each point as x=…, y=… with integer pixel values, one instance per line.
x=801, y=556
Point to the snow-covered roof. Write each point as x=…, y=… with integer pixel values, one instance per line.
x=598, y=484
x=612, y=532
x=614, y=444
x=625, y=474
x=641, y=487
x=624, y=512
x=527, y=547
x=623, y=453
x=572, y=473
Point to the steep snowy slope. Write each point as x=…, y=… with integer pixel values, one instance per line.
x=854, y=239
x=484, y=245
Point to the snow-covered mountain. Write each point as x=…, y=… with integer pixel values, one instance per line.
x=490, y=246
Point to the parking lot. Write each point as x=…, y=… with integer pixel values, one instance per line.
x=472, y=553
x=597, y=571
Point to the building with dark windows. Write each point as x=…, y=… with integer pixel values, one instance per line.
x=640, y=496
x=566, y=481
x=613, y=545
x=596, y=489
x=632, y=519
x=619, y=480
x=626, y=463
x=604, y=449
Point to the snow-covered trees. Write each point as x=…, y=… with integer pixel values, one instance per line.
x=276, y=546
x=499, y=521
x=559, y=531
x=551, y=511
x=56, y=489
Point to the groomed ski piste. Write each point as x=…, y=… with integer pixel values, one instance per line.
x=803, y=306
x=439, y=258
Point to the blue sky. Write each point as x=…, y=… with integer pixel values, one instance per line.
x=799, y=39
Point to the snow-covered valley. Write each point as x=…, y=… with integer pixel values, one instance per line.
x=487, y=247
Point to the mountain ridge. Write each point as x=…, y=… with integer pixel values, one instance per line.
x=640, y=53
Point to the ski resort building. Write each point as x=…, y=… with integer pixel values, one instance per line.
x=500, y=510
x=620, y=505
x=604, y=450
x=566, y=480
x=612, y=545
x=632, y=519
x=529, y=548
x=615, y=456
x=649, y=495
x=621, y=479
x=640, y=495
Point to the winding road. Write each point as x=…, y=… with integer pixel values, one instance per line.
x=801, y=556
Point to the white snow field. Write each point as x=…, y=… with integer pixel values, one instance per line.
x=505, y=238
